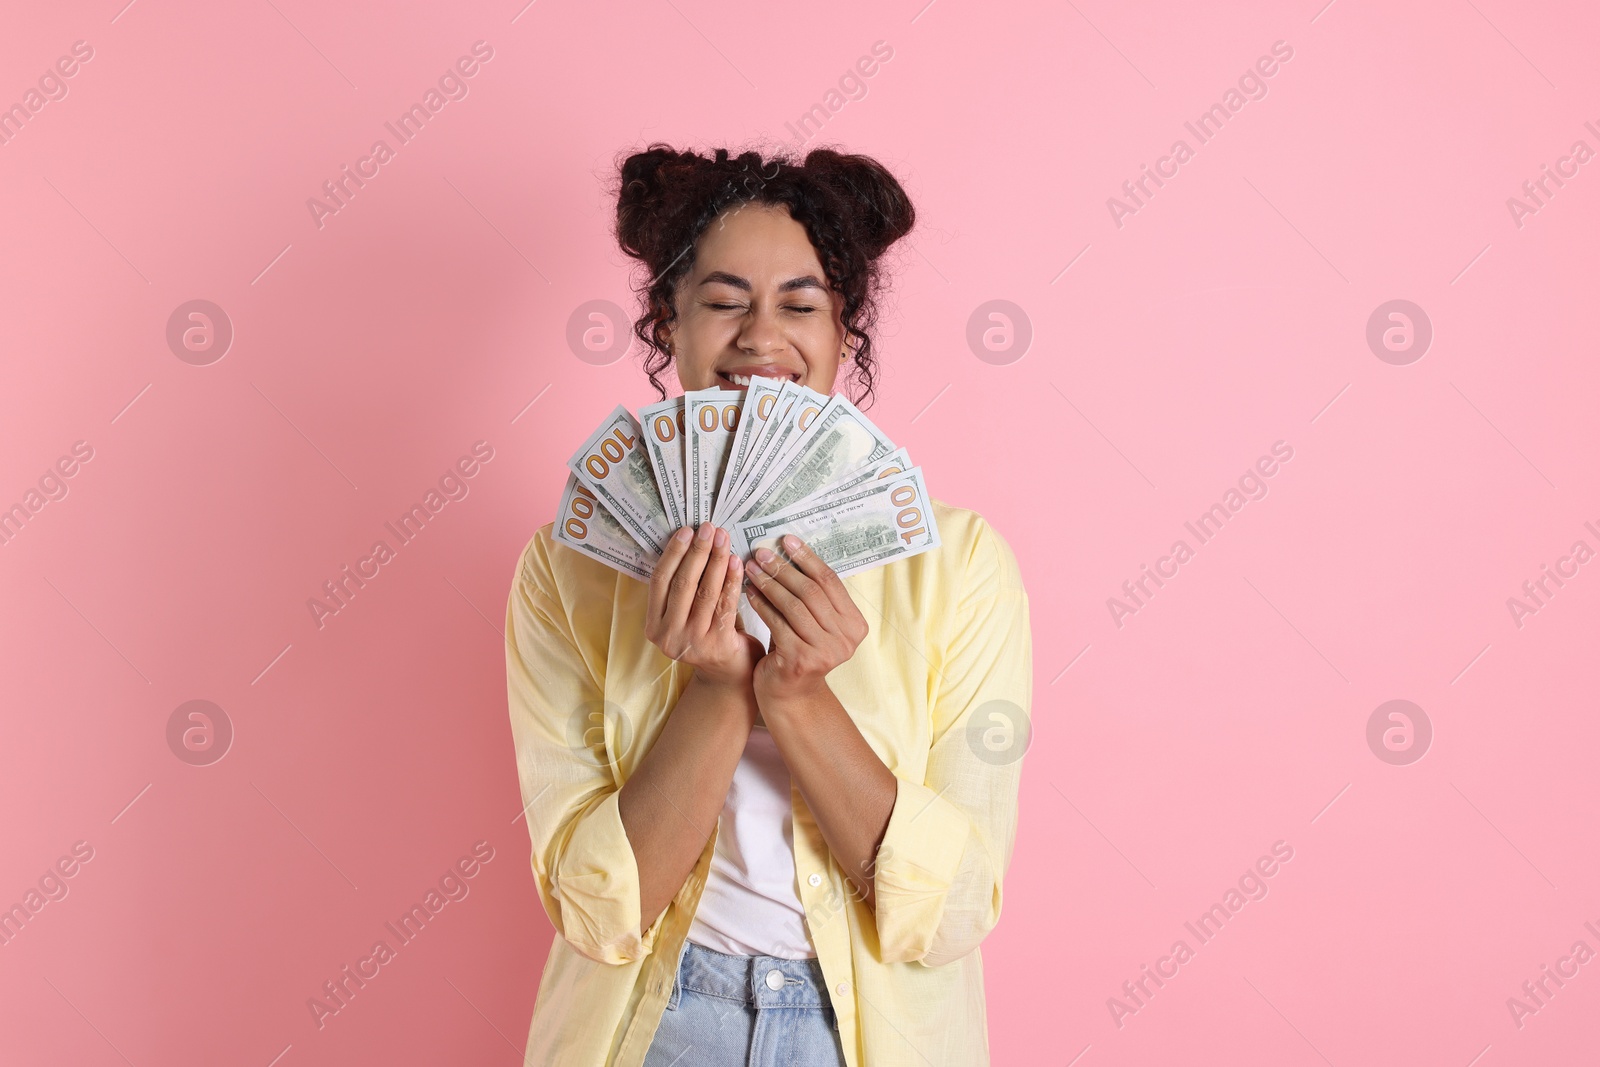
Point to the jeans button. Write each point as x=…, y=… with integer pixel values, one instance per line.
x=774, y=979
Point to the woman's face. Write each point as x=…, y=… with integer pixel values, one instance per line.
x=756, y=303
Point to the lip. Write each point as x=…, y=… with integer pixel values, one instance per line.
x=755, y=371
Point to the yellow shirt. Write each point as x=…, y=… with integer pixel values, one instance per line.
x=941, y=690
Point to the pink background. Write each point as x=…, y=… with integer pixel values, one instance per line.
x=1168, y=353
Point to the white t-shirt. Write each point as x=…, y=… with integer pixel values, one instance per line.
x=751, y=903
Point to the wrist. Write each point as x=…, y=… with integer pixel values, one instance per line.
x=781, y=696
x=729, y=687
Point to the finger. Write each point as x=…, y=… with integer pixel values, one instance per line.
x=684, y=584
x=728, y=603
x=810, y=592
x=783, y=635
x=666, y=567
x=709, y=591
x=793, y=608
x=817, y=569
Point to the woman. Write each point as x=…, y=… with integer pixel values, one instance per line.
x=785, y=856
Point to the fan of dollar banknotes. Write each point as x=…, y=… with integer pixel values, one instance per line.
x=775, y=458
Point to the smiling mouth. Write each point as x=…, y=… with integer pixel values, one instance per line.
x=740, y=381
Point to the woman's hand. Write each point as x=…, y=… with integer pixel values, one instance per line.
x=694, y=604
x=815, y=624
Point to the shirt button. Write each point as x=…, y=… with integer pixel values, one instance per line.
x=815, y=879
x=774, y=979
x=844, y=989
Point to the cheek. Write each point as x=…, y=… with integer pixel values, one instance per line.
x=696, y=344
x=831, y=343
x=692, y=373
x=822, y=368
x=819, y=333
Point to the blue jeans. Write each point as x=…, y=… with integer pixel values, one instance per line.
x=746, y=1011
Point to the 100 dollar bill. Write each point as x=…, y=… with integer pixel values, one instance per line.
x=784, y=399
x=584, y=523
x=711, y=416
x=837, y=441
x=896, y=462
x=878, y=522
x=614, y=467
x=760, y=404
x=662, y=426
x=797, y=406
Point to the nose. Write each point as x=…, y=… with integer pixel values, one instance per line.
x=760, y=334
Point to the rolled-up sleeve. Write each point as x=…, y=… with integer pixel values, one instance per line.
x=563, y=731
x=944, y=854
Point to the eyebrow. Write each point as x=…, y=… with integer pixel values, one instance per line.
x=809, y=281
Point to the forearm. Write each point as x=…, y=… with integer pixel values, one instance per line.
x=847, y=787
x=669, y=807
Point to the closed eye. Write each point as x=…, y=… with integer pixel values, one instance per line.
x=806, y=308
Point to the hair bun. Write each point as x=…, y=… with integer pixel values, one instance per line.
x=883, y=213
x=648, y=181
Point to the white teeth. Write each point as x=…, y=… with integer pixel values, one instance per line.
x=744, y=379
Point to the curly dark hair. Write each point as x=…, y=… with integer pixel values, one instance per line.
x=852, y=209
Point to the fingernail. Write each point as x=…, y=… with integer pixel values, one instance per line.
x=764, y=557
x=791, y=542
x=720, y=539
x=736, y=563
x=683, y=535
x=705, y=532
